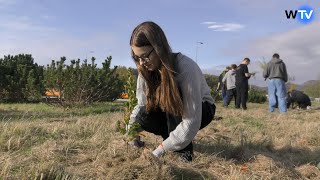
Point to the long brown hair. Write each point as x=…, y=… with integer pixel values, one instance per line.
x=162, y=89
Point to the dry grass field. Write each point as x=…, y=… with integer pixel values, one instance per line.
x=45, y=142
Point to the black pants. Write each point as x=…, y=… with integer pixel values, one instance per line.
x=162, y=123
x=242, y=95
x=230, y=94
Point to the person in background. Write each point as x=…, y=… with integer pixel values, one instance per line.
x=230, y=81
x=221, y=88
x=276, y=72
x=174, y=100
x=242, y=85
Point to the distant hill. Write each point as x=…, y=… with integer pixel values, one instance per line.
x=310, y=83
x=304, y=85
x=311, y=88
x=299, y=87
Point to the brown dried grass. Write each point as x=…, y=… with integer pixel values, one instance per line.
x=252, y=144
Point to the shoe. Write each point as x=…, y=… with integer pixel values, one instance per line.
x=186, y=156
x=136, y=142
x=186, y=153
x=245, y=108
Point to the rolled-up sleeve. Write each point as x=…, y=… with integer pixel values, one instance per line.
x=142, y=99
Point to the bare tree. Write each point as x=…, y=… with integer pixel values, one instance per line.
x=263, y=64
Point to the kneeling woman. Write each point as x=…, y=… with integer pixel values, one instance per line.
x=174, y=99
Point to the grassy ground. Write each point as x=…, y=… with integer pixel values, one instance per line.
x=42, y=142
x=316, y=104
x=23, y=112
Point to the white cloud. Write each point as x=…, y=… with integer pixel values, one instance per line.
x=47, y=17
x=208, y=22
x=223, y=26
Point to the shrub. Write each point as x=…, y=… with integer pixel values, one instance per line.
x=256, y=96
x=83, y=84
x=20, y=79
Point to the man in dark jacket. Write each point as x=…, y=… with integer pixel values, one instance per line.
x=276, y=72
x=242, y=85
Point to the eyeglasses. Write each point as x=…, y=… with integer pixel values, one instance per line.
x=144, y=58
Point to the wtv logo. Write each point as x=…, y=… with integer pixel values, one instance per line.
x=304, y=14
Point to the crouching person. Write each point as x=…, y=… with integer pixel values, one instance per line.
x=174, y=99
x=298, y=97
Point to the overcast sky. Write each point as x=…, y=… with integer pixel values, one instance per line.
x=229, y=30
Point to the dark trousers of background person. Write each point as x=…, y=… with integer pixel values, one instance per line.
x=230, y=94
x=162, y=123
x=242, y=95
x=224, y=95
